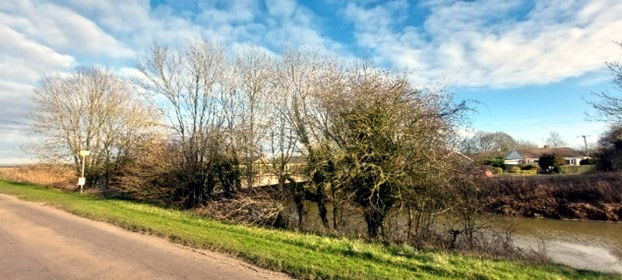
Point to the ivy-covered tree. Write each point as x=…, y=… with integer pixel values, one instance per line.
x=380, y=143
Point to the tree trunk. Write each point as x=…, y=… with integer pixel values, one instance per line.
x=321, y=204
x=374, y=219
x=298, y=200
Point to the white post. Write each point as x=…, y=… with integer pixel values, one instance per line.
x=83, y=162
x=82, y=179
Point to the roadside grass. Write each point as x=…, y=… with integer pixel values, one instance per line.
x=305, y=256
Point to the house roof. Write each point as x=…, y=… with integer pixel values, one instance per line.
x=537, y=152
x=513, y=155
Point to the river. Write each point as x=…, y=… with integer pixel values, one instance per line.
x=590, y=245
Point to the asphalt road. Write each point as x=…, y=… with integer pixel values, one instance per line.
x=41, y=242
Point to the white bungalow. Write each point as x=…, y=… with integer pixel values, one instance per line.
x=531, y=156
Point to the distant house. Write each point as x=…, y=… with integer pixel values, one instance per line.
x=266, y=172
x=531, y=156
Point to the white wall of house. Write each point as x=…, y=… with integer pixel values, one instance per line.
x=534, y=161
x=574, y=160
x=513, y=161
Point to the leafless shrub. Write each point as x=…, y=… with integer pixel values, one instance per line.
x=256, y=209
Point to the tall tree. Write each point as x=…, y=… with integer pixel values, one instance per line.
x=299, y=78
x=491, y=144
x=187, y=85
x=90, y=109
x=378, y=141
x=254, y=71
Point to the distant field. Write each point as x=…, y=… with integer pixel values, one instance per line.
x=304, y=256
x=55, y=175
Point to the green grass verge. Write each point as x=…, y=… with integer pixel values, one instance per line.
x=301, y=255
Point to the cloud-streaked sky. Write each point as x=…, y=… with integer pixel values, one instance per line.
x=529, y=63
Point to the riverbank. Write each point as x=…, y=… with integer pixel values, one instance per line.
x=596, y=196
x=305, y=256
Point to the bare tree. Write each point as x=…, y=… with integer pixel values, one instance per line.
x=91, y=109
x=555, y=139
x=608, y=106
x=297, y=77
x=187, y=85
x=525, y=144
x=254, y=73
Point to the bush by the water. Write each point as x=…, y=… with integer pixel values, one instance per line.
x=596, y=196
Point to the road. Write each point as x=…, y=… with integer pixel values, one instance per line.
x=41, y=242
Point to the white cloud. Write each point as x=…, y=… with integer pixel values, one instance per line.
x=281, y=8
x=24, y=60
x=137, y=24
x=62, y=29
x=473, y=44
x=468, y=43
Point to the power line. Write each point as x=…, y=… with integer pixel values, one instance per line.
x=13, y=122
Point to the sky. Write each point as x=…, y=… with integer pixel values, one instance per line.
x=530, y=65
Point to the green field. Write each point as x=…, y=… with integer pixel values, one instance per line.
x=305, y=256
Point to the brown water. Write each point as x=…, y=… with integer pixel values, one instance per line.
x=581, y=244
x=589, y=245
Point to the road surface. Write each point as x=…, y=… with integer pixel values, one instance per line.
x=41, y=242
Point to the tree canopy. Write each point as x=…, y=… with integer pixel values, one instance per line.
x=90, y=109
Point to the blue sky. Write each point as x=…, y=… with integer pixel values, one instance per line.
x=530, y=64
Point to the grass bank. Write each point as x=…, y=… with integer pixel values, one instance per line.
x=304, y=256
x=596, y=196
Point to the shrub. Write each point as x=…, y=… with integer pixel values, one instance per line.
x=514, y=169
x=495, y=162
x=588, y=161
x=497, y=170
x=609, y=152
x=529, y=171
x=573, y=169
x=529, y=167
x=550, y=163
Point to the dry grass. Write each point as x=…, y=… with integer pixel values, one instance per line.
x=596, y=196
x=55, y=175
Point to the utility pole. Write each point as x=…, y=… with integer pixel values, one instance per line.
x=584, y=141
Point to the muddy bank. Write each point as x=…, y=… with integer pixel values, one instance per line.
x=595, y=196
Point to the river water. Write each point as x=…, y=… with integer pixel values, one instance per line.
x=590, y=245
